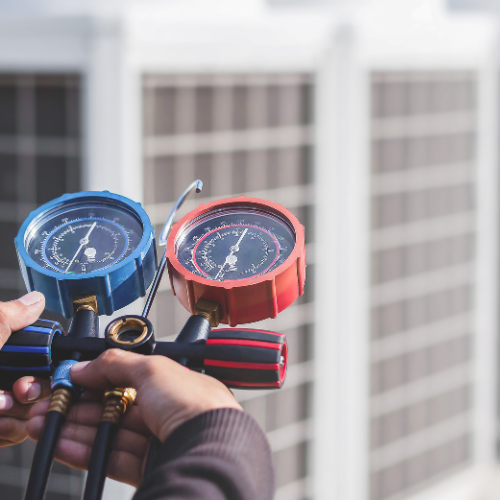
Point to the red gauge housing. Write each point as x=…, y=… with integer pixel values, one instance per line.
x=244, y=300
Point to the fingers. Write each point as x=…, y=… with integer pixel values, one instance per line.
x=9, y=407
x=117, y=368
x=126, y=440
x=17, y=314
x=75, y=446
x=123, y=466
x=31, y=389
x=12, y=430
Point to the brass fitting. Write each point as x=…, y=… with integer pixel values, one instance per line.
x=210, y=310
x=120, y=325
x=116, y=402
x=85, y=302
x=61, y=400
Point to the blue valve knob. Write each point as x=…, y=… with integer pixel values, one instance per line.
x=28, y=352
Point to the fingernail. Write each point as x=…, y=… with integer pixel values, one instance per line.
x=31, y=298
x=79, y=366
x=6, y=402
x=34, y=391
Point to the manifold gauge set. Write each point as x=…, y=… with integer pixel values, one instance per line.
x=232, y=261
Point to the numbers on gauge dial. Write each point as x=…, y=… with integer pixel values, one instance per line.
x=235, y=247
x=84, y=239
x=75, y=245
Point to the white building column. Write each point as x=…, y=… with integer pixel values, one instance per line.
x=113, y=125
x=340, y=407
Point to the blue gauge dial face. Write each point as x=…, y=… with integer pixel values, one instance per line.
x=235, y=244
x=81, y=238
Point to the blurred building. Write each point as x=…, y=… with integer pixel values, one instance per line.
x=415, y=117
x=374, y=125
x=40, y=158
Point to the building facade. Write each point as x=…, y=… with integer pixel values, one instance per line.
x=375, y=133
x=412, y=313
x=422, y=286
x=245, y=134
x=40, y=159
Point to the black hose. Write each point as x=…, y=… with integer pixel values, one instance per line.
x=85, y=324
x=99, y=460
x=44, y=456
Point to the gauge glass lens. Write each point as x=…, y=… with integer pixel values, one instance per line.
x=234, y=244
x=80, y=238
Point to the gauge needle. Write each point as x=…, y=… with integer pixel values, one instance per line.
x=84, y=241
x=235, y=248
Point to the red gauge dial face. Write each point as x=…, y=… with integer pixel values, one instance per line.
x=234, y=244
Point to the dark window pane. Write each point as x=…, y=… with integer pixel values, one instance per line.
x=51, y=111
x=306, y=165
x=307, y=104
x=73, y=111
x=203, y=171
x=299, y=342
x=163, y=180
x=8, y=454
x=273, y=168
x=8, y=119
x=418, y=97
x=8, y=180
x=12, y=492
x=395, y=99
x=296, y=400
x=290, y=464
x=309, y=286
x=240, y=108
x=164, y=311
x=257, y=165
x=291, y=167
x=8, y=258
x=164, y=111
x=5, y=295
x=256, y=407
x=274, y=106
x=204, y=109
x=50, y=178
x=239, y=172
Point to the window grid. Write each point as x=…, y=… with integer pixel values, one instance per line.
x=241, y=134
x=422, y=170
x=40, y=157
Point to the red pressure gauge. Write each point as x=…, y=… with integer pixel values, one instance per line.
x=244, y=253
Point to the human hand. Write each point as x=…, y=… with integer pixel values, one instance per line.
x=15, y=405
x=167, y=396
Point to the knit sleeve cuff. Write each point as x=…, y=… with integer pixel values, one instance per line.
x=227, y=431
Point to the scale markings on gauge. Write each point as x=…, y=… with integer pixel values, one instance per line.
x=244, y=253
x=85, y=241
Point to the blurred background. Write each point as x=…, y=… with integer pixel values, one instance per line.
x=376, y=122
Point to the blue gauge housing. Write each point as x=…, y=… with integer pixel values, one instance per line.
x=118, y=279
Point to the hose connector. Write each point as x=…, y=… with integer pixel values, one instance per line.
x=61, y=400
x=62, y=379
x=116, y=403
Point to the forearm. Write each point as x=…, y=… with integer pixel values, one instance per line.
x=218, y=455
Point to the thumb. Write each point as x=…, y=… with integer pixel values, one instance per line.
x=17, y=314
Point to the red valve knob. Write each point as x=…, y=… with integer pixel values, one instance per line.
x=247, y=359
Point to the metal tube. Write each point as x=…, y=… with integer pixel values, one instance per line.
x=198, y=185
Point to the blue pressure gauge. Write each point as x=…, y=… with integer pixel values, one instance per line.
x=90, y=243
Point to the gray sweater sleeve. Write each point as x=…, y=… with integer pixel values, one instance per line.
x=218, y=455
